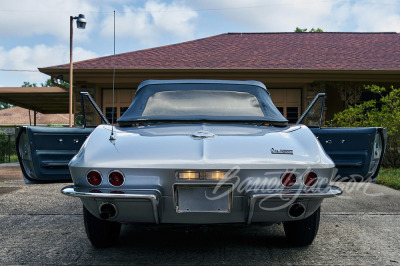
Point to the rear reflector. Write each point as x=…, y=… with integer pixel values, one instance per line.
x=288, y=179
x=94, y=178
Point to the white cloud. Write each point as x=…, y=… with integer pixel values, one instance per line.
x=30, y=58
x=376, y=17
x=286, y=15
x=152, y=22
x=24, y=18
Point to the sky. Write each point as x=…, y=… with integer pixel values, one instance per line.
x=35, y=33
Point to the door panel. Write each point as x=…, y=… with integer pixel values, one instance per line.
x=356, y=152
x=44, y=152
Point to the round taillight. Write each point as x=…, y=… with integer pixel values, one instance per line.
x=116, y=178
x=94, y=178
x=310, y=179
x=288, y=179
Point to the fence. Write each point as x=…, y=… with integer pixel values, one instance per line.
x=7, y=148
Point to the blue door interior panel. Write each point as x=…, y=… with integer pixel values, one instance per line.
x=45, y=152
x=349, y=148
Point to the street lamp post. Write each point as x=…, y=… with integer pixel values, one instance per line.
x=81, y=24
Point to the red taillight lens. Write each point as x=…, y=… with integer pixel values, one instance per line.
x=310, y=179
x=288, y=179
x=94, y=178
x=116, y=178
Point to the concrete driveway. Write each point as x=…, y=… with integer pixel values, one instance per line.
x=40, y=226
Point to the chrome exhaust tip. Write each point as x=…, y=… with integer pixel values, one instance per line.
x=107, y=211
x=296, y=210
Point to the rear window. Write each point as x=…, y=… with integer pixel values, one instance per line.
x=202, y=103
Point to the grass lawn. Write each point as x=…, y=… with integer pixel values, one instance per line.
x=389, y=177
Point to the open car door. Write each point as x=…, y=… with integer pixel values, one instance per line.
x=44, y=152
x=356, y=152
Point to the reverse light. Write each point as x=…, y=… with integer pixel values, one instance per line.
x=116, y=178
x=189, y=175
x=288, y=179
x=94, y=178
x=310, y=179
x=215, y=175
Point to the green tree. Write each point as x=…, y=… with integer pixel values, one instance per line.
x=4, y=105
x=383, y=112
x=28, y=84
x=305, y=30
x=47, y=83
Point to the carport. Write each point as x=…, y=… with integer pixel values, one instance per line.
x=46, y=100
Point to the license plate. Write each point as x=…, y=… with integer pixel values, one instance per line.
x=203, y=199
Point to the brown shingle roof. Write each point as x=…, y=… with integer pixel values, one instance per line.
x=20, y=116
x=325, y=51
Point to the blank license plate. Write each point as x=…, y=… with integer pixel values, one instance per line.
x=202, y=199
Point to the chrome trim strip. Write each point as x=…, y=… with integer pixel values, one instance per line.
x=325, y=193
x=84, y=193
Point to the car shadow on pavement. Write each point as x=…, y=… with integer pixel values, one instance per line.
x=210, y=236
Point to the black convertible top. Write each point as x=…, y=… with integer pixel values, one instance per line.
x=155, y=98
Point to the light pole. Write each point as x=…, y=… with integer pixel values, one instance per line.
x=81, y=24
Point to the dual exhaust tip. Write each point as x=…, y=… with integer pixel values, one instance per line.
x=296, y=210
x=108, y=211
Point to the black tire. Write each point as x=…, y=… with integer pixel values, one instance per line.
x=101, y=233
x=303, y=232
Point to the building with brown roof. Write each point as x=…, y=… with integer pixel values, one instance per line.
x=18, y=116
x=294, y=67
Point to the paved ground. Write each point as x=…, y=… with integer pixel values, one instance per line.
x=40, y=226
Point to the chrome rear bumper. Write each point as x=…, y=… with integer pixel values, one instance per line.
x=154, y=196
x=289, y=196
x=151, y=195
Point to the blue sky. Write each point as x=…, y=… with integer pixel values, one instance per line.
x=35, y=33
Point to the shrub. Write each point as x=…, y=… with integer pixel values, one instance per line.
x=7, y=147
x=383, y=112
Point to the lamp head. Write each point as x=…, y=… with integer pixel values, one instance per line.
x=81, y=21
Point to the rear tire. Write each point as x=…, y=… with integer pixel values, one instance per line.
x=101, y=233
x=303, y=232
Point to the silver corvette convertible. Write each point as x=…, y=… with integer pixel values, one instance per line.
x=201, y=152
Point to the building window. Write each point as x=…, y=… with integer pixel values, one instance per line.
x=292, y=114
x=122, y=110
x=109, y=114
x=123, y=99
x=288, y=102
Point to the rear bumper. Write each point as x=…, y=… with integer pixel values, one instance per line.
x=254, y=206
x=151, y=195
x=288, y=197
